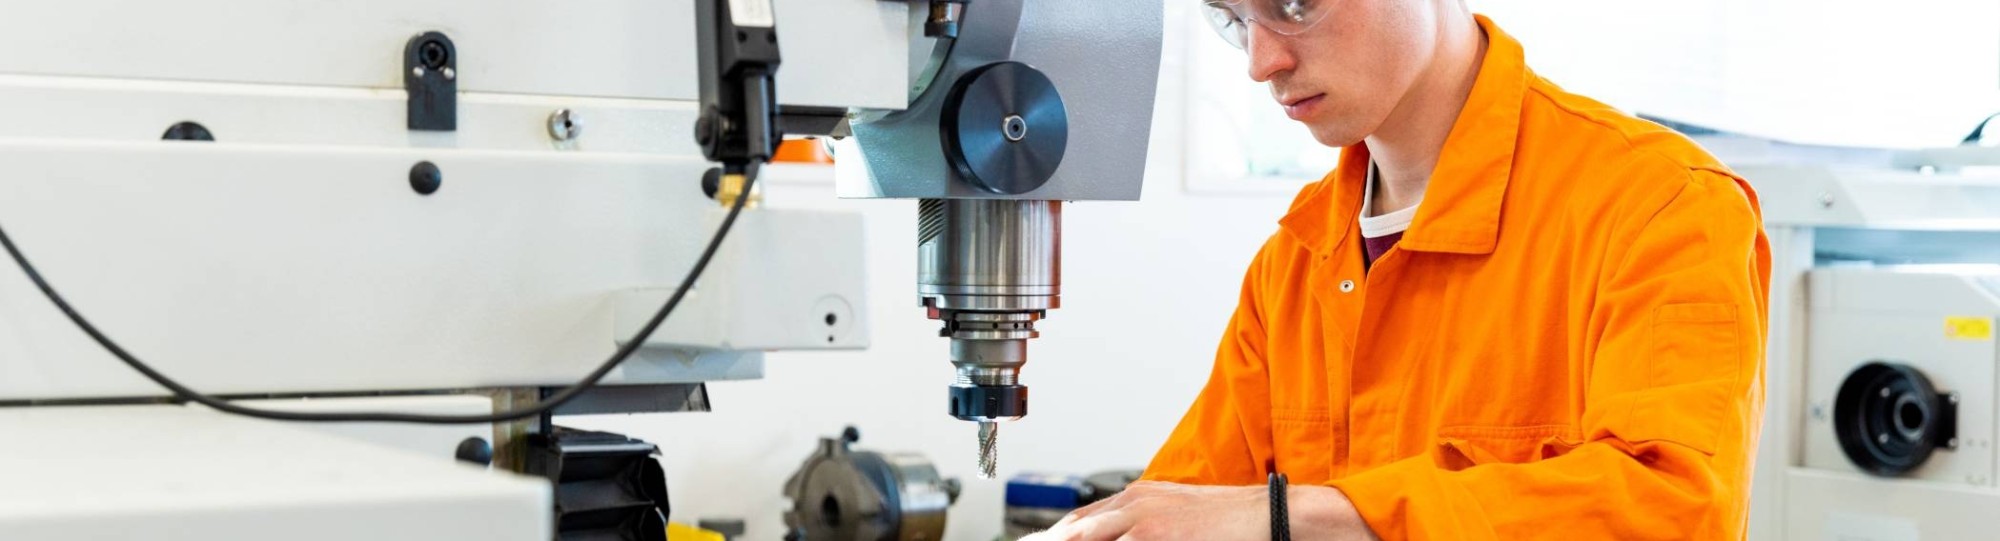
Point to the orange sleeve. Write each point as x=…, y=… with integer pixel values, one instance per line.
x=1671, y=406
x=1216, y=443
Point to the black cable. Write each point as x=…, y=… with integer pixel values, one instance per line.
x=1978, y=132
x=182, y=392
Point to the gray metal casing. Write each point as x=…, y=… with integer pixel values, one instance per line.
x=1107, y=81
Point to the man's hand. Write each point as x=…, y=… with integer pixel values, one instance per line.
x=1151, y=510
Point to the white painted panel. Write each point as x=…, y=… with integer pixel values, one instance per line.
x=837, y=52
x=44, y=107
x=185, y=474
x=795, y=283
x=1828, y=506
x=432, y=441
x=266, y=268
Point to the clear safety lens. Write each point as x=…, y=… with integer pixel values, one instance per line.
x=1231, y=18
x=1225, y=22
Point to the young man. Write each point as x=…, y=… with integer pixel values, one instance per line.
x=1510, y=313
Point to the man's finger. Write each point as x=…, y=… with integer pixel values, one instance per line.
x=1116, y=501
x=1105, y=526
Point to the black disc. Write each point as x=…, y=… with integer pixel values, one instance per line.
x=1005, y=128
x=1888, y=418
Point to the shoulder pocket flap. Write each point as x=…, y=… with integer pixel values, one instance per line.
x=1695, y=362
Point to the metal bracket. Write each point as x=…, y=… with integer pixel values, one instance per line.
x=430, y=76
x=661, y=398
x=813, y=121
x=944, y=17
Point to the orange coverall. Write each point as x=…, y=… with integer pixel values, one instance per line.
x=1567, y=343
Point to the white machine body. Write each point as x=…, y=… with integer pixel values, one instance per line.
x=1928, y=320
x=1877, y=257
x=291, y=256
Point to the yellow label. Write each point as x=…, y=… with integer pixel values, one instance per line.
x=1968, y=328
x=682, y=532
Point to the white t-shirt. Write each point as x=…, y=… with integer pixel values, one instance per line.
x=1388, y=223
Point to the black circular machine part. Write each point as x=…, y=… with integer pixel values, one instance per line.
x=1889, y=418
x=1005, y=128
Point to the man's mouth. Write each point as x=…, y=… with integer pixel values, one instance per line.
x=1300, y=108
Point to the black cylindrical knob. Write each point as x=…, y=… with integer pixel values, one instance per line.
x=426, y=178
x=474, y=450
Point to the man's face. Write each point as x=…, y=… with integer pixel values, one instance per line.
x=1344, y=76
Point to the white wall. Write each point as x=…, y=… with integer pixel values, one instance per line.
x=1146, y=289
x=1912, y=73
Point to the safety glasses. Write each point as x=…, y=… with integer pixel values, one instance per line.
x=1232, y=18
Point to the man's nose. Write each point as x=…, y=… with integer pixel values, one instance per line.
x=1270, y=53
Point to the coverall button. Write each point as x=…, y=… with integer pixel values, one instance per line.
x=1346, y=286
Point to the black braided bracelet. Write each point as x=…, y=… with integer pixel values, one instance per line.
x=1281, y=522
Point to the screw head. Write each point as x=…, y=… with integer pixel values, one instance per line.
x=1826, y=200
x=417, y=72
x=450, y=74
x=187, y=131
x=1014, y=128
x=426, y=178
x=565, y=125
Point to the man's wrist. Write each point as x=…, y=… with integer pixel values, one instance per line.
x=1323, y=512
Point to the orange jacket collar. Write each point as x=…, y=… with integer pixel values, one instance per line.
x=1461, y=210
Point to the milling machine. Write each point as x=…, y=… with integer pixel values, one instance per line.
x=443, y=215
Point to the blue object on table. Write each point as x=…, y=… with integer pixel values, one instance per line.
x=1045, y=490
